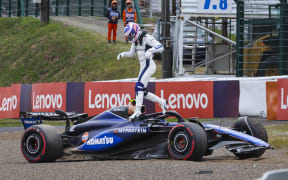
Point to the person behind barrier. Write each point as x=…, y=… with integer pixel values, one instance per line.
x=129, y=15
x=145, y=45
x=113, y=16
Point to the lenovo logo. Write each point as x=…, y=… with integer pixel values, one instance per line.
x=8, y=103
x=186, y=101
x=107, y=100
x=284, y=99
x=47, y=101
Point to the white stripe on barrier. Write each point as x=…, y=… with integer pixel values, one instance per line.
x=252, y=101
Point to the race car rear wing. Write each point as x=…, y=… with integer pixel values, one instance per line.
x=33, y=118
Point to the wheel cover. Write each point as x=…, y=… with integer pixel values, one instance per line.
x=33, y=144
x=181, y=142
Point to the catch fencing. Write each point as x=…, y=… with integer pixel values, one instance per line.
x=262, y=39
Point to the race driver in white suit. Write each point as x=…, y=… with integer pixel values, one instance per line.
x=145, y=46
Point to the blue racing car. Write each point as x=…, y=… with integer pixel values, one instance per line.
x=110, y=135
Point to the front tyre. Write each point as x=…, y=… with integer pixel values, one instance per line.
x=41, y=143
x=187, y=141
x=253, y=128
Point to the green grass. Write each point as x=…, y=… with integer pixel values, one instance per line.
x=278, y=135
x=149, y=20
x=31, y=52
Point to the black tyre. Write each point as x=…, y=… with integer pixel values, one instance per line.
x=253, y=128
x=187, y=141
x=269, y=67
x=41, y=143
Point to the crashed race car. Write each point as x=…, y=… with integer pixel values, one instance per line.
x=110, y=135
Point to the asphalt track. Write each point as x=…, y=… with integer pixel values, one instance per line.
x=221, y=165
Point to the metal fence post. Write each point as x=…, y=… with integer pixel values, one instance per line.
x=105, y=9
x=36, y=10
x=79, y=7
x=239, y=38
x=283, y=37
x=92, y=8
x=67, y=7
x=123, y=6
x=18, y=8
x=136, y=2
x=0, y=8
x=56, y=8
x=26, y=7
x=9, y=8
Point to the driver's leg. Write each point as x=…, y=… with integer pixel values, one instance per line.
x=148, y=95
x=139, y=92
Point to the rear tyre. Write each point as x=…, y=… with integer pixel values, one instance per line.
x=253, y=128
x=187, y=141
x=41, y=143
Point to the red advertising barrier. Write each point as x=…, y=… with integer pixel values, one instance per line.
x=100, y=96
x=271, y=100
x=190, y=99
x=10, y=101
x=282, y=113
x=47, y=97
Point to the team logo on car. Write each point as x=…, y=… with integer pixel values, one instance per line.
x=85, y=137
x=131, y=130
x=104, y=140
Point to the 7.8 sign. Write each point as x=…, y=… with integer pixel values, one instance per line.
x=215, y=6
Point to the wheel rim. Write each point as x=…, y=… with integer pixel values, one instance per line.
x=181, y=142
x=33, y=144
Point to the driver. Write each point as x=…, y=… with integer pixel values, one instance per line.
x=145, y=46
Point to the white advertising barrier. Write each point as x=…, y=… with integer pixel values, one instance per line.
x=252, y=101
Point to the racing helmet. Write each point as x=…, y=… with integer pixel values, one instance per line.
x=131, y=31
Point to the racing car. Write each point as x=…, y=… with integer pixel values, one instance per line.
x=110, y=135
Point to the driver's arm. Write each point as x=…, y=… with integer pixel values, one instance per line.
x=130, y=53
x=156, y=46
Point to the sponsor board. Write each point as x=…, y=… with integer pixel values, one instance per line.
x=100, y=96
x=190, y=99
x=282, y=113
x=47, y=97
x=10, y=101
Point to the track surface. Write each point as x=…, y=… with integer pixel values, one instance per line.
x=221, y=165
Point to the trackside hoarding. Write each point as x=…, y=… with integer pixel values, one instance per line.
x=10, y=101
x=47, y=97
x=100, y=96
x=190, y=99
x=282, y=113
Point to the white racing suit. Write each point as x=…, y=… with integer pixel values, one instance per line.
x=145, y=47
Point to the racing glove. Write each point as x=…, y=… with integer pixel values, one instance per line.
x=120, y=56
x=148, y=55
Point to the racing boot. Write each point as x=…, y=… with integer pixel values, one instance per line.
x=162, y=102
x=139, y=102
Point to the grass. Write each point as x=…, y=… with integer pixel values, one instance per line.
x=32, y=52
x=278, y=135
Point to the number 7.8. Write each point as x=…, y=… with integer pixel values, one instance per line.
x=222, y=4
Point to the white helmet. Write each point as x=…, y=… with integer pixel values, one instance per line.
x=131, y=31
